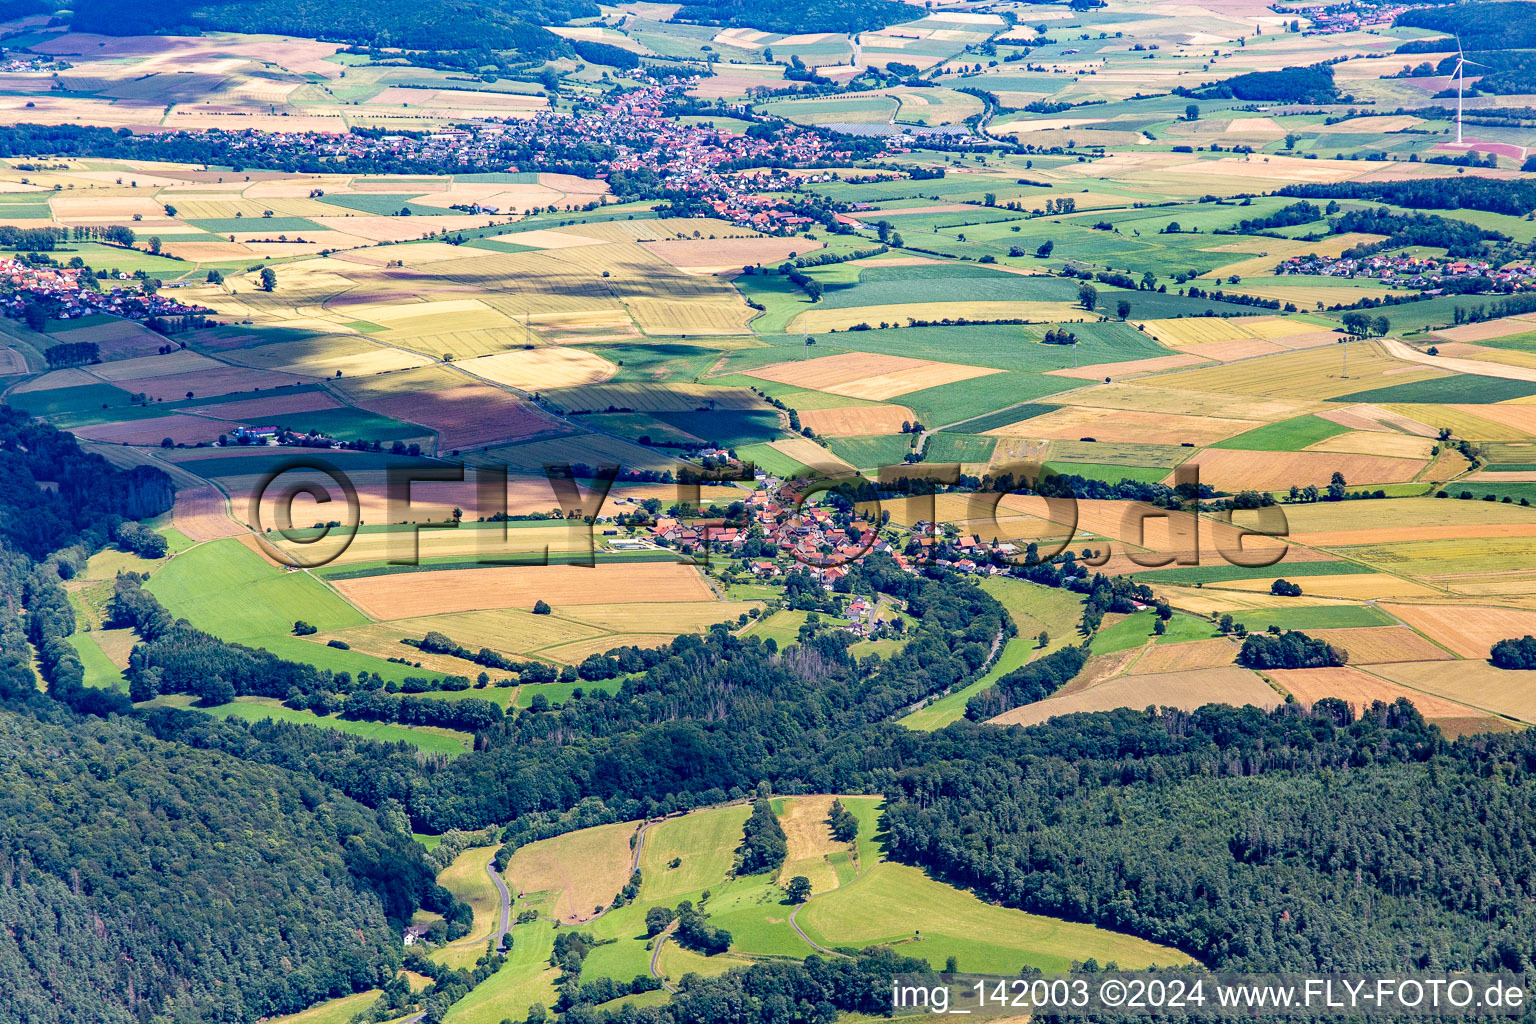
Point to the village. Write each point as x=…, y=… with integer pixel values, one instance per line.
x=68, y=293
x=1423, y=272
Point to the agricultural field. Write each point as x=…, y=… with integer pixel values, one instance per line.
x=488, y=373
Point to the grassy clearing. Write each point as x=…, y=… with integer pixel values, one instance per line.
x=467, y=879
x=1136, y=630
x=1344, y=616
x=526, y=978
x=427, y=739
x=1287, y=436
x=332, y=1011
x=99, y=670
x=227, y=589
x=897, y=904
x=783, y=627
x=704, y=844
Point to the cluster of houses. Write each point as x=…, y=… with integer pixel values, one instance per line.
x=69, y=298
x=1352, y=16
x=776, y=537
x=1424, y=272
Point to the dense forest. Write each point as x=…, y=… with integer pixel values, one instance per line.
x=1465, y=192
x=797, y=16
x=1289, y=85
x=464, y=25
x=140, y=878
x=1481, y=26
x=241, y=150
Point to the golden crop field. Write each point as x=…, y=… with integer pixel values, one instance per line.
x=1185, y=657
x=1377, y=443
x=1448, y=558
x=1310, y=373
x=540, y=369
x=852, y=421
x=1075, y=423
x=585, y=869
x=1359, y=689
x=868, y=375
x=1357, y=587
x=1152, y=396
x=1236, y=470
x=1461, y=420
x=1469, y=630
x=413, y=594
x=1473, y=682
x=1371, y=645
x=1182, y=689
x=810, y=842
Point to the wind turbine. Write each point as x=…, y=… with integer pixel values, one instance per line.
x=1460, y=75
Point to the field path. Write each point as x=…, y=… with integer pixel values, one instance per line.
x=661, y=939
x=499, y=936
x=1473, y=366
x=801, y=932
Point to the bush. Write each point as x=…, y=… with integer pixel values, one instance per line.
x=1291, y=649
x=1514, y=654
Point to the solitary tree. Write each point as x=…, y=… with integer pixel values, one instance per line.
x=268, y=279
x=799, y=889
x=1088, y=295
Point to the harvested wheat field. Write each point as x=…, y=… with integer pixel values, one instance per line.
x=1143, y=396
x=808, y=453
x=1469, y=630
x=1135, y=366
x=181, y=429
x=1510, y=693
x=811, y=845
x=1075, y=422
x=538, y=369
x=1487, y=329
x=1316, y=373
x=1359, y=689
x=1358, y=586
x=467, y=416
x=587, y=868
x=224, y=380
x=1375, y=645
x=180, y=361
x=199, y=513
x=858, y=420
x=412, y=594
x=1213, y=653
x=1235, y=470
x=712, y=255
x=259, y=410
x=1186, y=690
x=1386, y=444
x=867, y=375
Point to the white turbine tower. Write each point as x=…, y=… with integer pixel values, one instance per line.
x=1460, y=75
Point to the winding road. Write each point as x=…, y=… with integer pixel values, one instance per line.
x=812, y=942
x=500, y=935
